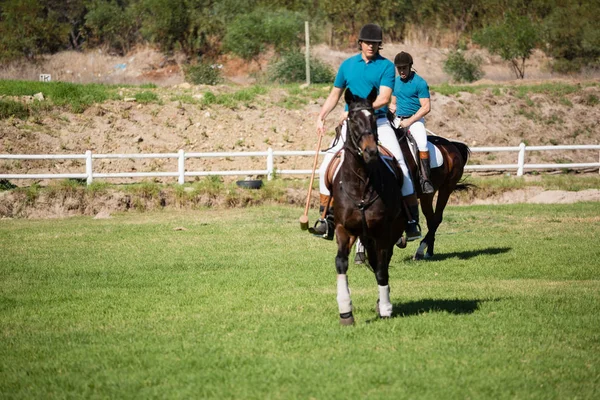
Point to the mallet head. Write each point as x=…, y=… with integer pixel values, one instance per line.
x=303, y=222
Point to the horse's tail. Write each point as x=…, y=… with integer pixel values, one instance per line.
x=464, y=151
x=462, y=186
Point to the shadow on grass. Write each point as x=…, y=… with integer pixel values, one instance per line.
x=413, y=308
x=429, y=305
x=465, y=255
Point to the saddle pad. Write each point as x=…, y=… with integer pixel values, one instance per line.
x=338, y=158
x=435, y=155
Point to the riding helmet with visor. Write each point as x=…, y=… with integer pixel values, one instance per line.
x=371, y=33
x=403, y=59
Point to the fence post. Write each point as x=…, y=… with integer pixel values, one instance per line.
x=307, y=55
x=521, y=161
x=88, y=167
x=269, y=164
x=181, y=167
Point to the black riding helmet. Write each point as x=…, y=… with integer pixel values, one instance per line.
x=371, y=33
x=403, y=59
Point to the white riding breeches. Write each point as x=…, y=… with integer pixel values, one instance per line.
x=387, y=138
x=418, y=132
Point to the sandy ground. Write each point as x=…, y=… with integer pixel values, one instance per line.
x=490, y=118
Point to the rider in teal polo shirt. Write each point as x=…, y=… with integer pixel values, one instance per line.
x=361, y=77
x=361, y=73
x=411, y=102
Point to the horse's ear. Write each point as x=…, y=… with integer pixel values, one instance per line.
x=348, y=96
x=372, y=96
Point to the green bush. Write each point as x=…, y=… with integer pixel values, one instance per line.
x=462, y=69
x=292, y=68
x=512, y=38
x=146, y=97
x=249, y=35
x=10, y=108
x=203, y=74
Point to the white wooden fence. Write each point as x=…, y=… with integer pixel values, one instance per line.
x=89, y=175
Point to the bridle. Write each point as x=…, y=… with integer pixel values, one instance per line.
x=355, y=148
x=352, y=146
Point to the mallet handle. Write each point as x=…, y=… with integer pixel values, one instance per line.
x=312, y=176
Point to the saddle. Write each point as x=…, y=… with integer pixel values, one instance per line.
x=337, y=159
x=410, y=151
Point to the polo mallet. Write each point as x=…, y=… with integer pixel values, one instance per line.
x=304, y=218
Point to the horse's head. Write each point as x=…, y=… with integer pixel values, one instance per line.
x=361, y=132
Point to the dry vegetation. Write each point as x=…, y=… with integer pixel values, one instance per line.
x=501, y=113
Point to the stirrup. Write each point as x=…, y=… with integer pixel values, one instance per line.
x=322, y=229
x=359, y=257
x=427, y=187
x=415, y=233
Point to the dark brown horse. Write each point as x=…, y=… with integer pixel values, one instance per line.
x=367, y=192
x=445, y=180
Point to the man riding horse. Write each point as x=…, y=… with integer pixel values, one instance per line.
x=361, y=73
x=411, y=102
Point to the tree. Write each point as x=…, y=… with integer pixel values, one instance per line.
x=112, y=24
x=513, y=39
x=251, y=34
x=29, y=28
x=571, y=35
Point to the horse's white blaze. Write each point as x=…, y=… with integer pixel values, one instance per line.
x=366, y=112
x=343, y=294
x=385, y=305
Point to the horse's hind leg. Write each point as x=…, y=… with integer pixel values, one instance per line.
x=442, y=201
x=341, y=266
x=427, y=208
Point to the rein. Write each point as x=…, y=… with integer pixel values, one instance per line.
x=363, y=204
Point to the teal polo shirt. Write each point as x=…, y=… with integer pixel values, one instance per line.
x=408, y=94
x=361, y=77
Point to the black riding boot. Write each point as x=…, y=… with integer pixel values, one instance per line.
x=413, y=229
x=324, y=227
x=426, y=185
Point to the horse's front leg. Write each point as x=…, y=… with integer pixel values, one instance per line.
x=341, y=265
x=384, y=304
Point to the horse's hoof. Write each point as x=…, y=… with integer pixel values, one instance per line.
x=401, y=243
x=347, y=321
x=418, y=257
x=359, y=257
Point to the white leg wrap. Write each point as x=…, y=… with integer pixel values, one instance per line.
x=385, y=305
x=359, y=246
x=421, y=249
x=343, y=294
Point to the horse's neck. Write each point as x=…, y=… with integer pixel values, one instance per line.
x=354, y=170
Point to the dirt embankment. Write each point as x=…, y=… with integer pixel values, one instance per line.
x=500, y=115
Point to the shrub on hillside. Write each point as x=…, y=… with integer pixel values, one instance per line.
x=203, y=74
x=292, y=68
x=249, y=35
x=10, y=108
x=462, y=69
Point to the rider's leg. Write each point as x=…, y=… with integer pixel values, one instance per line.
x=387, y=137
x=419, y=133
x=324, y=226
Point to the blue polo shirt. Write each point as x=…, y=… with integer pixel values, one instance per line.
x=408, y=94
x=361, y=77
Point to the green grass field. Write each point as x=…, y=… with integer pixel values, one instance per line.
x=241, y=304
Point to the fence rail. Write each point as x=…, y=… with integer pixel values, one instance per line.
x=89, y=175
